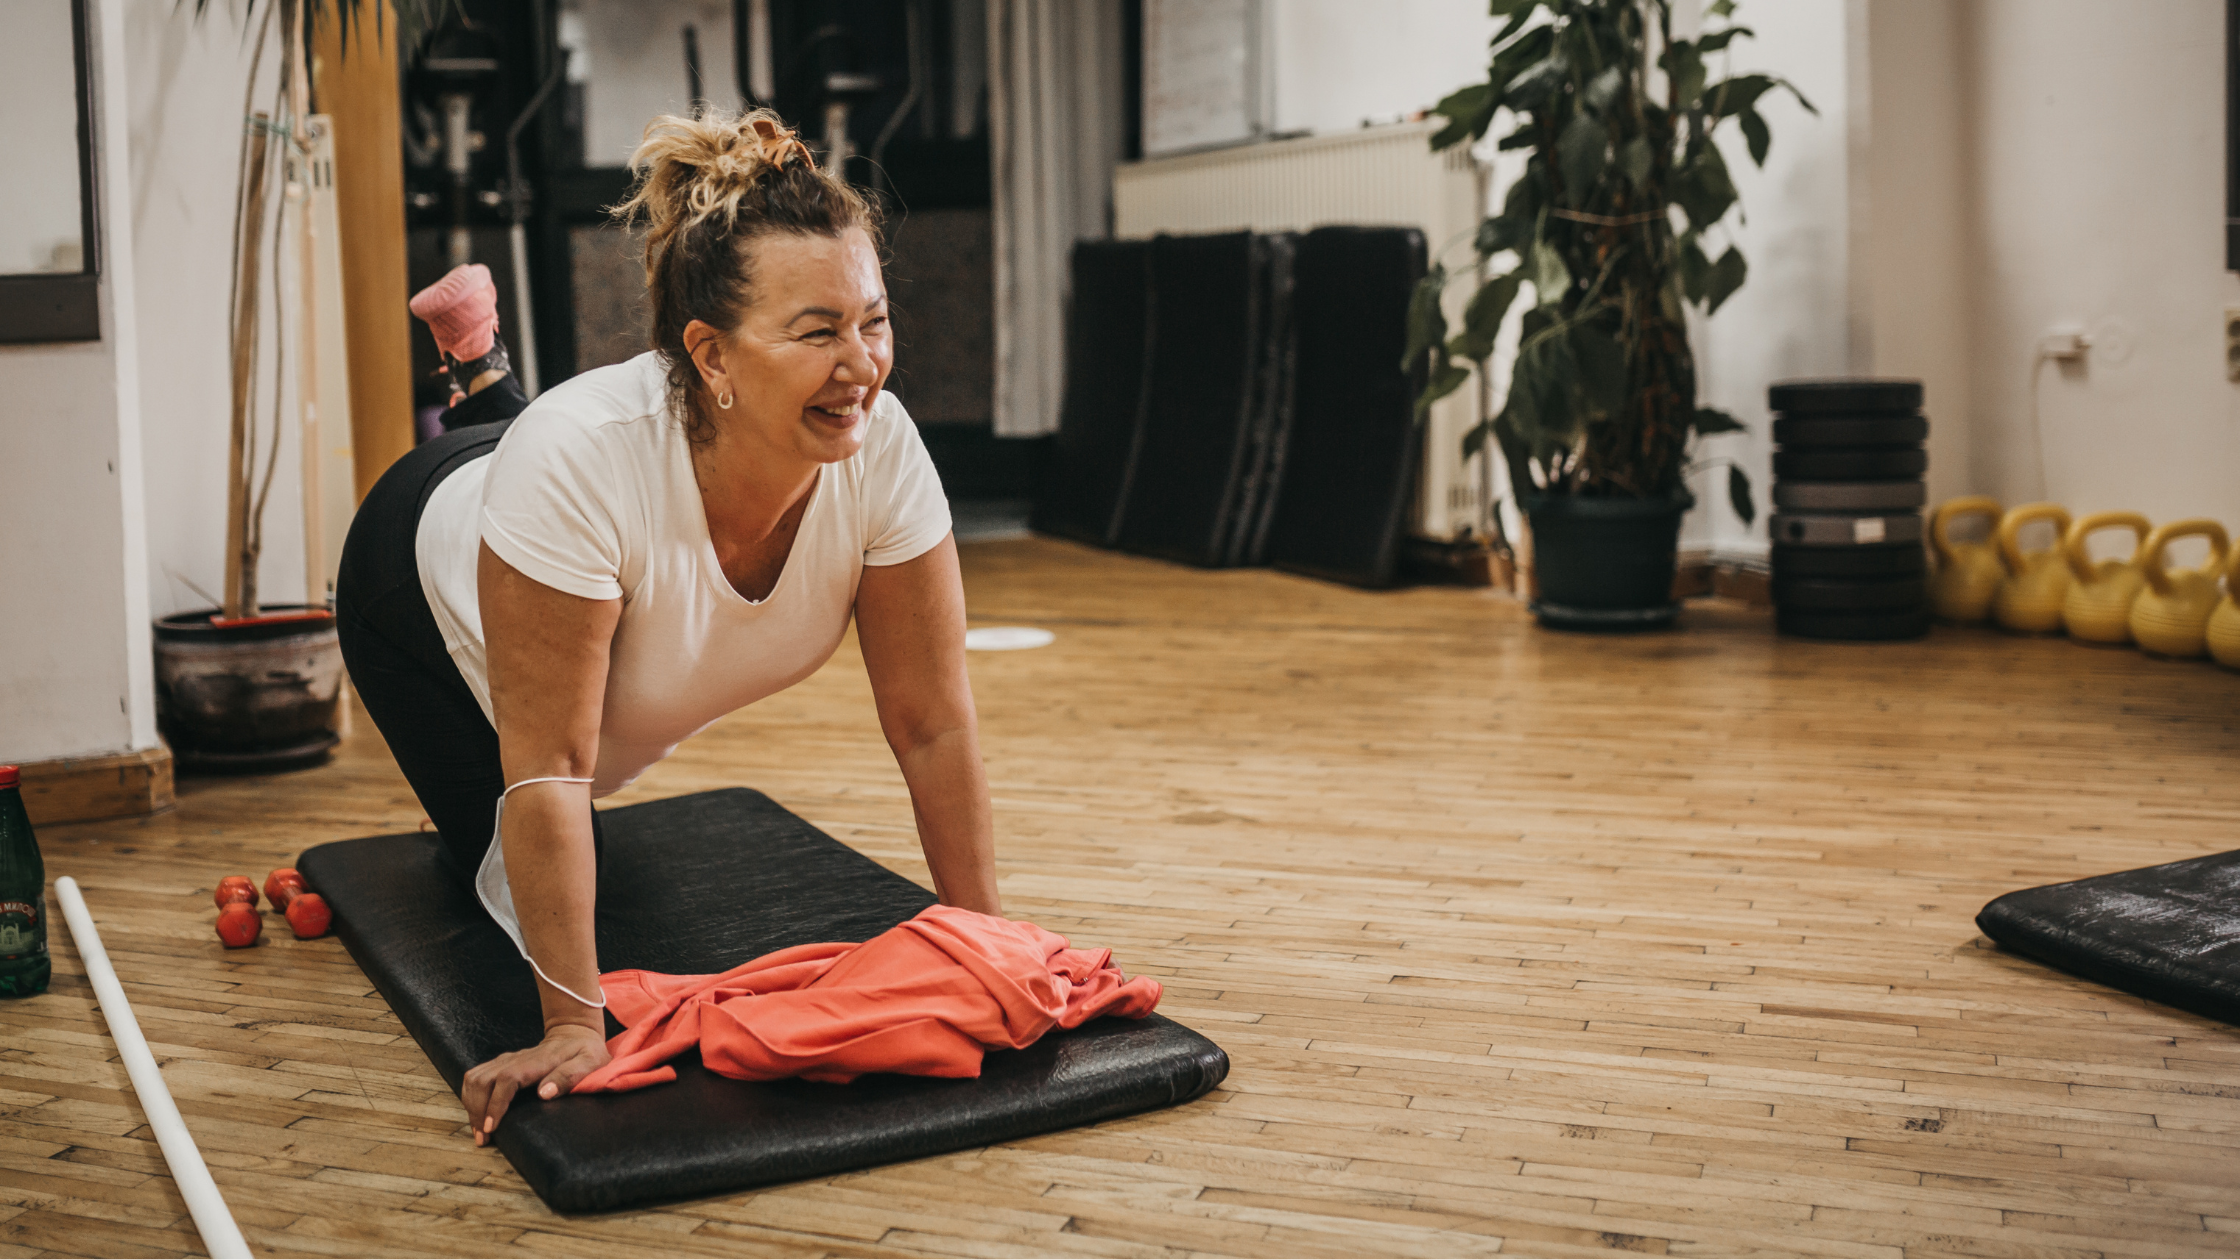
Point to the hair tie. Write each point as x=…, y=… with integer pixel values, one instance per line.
x=776, y=142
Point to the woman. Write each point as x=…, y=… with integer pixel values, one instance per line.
x=535, y=611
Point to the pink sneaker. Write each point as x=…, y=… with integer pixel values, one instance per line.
x=462, y=311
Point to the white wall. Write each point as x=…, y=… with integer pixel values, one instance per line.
x=2096, y=145
x=75, y=671
x=187, y=91
x=2014, y=167
x=1792, y=317
x=1336, y=64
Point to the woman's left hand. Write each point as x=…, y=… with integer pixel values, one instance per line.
x=568, y=1053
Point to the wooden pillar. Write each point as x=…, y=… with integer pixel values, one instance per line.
x=358, y=90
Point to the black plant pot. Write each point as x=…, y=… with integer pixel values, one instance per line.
x=1605, y=563
x=248, y=698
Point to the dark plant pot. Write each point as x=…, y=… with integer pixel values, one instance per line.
x=1605, y=563
x=247, y=698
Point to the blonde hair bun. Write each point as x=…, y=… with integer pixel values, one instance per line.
x=708, y=186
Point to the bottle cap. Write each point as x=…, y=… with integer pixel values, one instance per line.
x=9, y=777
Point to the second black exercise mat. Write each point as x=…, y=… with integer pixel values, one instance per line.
x=1198, y=409
x=2170, y=933
x=698, y=884
x=1352, y=460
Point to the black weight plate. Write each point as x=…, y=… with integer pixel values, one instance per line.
x=1845, y=529
x=1851, y=463
x=1838, y=394
x=1850, y=496
x=1849, y=594
x=1903, y=560
x=1798, y=433
x=1911, y=624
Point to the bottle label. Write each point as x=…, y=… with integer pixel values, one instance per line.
x=19, y=930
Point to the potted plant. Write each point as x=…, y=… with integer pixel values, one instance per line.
x=245, y=685
x=1611, y=226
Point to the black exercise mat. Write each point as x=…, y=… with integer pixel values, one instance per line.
x=1100, y=422
x=1350, y=465
x=2170, y=933
x=1206, y=299
x=699, y=884
x=1269, y=435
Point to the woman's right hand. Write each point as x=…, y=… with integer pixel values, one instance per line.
x=568, y=1053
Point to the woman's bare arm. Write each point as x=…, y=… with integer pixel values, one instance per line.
x=910, y=621
x=548, y=654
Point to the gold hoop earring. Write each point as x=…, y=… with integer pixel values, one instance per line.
x=723, y=400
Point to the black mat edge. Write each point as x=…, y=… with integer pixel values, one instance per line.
x=2008, y=923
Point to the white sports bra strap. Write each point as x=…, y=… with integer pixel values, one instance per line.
x=500, y=893
x=550, y=778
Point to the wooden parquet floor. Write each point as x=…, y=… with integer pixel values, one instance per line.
x=1520, y=943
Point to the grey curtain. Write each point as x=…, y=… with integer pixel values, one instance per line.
x=1055, y=127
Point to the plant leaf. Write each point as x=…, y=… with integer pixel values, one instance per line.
x=1726, y=276
x=1733, y=96
x=1633, y=160
x=1427, y=324
x=1443, y=382
x=1717, y=40
x=1738, y=494
x=1710, y=420
x=1755, y=132
x=1695, y=269
x=1702, y=187
x=1474, y=440
x=1511, y=8
x=1530, y=89
x=1684, y=63
x=1720, y=9
x=1468, y=112
x=1519, y=14
x=1550, y=278
x=1582, y=152
x=1603, y=89
x=1481, y=320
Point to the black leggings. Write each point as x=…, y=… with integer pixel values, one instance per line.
x=409, y=685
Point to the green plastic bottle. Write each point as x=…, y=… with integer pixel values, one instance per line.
x=24, y=968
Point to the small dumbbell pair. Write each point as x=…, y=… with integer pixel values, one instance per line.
x=239, y=924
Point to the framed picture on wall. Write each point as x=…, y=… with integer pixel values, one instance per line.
x=49, y=238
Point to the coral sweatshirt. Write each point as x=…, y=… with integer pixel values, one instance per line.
x=926, y=997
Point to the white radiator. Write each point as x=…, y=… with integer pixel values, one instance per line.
x=1385, y=176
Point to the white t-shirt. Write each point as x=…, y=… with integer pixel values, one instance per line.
x=592, y=492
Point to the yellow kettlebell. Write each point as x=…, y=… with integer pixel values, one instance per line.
x=2171, y=616
x=2029, y=597
x=2097, y=608
x=2223, y=631
x=1968, y=574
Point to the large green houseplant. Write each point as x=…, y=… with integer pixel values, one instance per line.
x=1612, y=227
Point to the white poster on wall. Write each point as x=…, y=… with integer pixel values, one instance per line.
x=1201, y=74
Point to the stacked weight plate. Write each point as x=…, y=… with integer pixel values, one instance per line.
x=1847, y=496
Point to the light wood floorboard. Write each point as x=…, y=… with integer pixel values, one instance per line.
x=1520, y=942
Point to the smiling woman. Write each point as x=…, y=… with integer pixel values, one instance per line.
x=553, y=603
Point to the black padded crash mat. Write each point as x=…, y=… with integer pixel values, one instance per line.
x=1100, y=420
x=699, y=884
x=1269, y=436
x=2170, y=933
x=1350, y=465
x=1198, y=415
